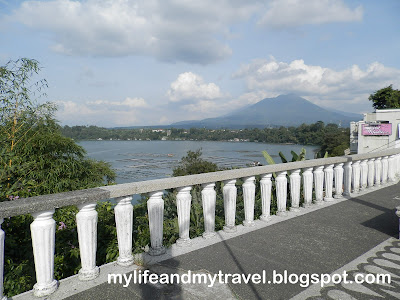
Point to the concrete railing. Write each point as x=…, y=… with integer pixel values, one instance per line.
x=319, y=177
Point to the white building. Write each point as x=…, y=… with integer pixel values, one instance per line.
x=377, y=132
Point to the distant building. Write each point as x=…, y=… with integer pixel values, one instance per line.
x=378, y=131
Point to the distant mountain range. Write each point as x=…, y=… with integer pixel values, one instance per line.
x=284, y=110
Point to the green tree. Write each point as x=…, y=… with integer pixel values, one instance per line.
x=192, y=163
x=37, y=159
x=386, y=97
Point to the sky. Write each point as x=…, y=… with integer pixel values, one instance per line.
x=155, y=62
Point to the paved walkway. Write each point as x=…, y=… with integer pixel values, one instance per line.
x=356, y=235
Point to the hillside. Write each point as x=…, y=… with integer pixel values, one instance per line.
x=284, y=110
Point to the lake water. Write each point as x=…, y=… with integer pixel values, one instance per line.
x=145, y=160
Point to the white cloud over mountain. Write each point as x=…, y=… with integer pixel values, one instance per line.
x=272, y=76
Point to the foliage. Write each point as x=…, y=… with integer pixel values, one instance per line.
x=37, y=159
x=192, y=163
x=386, y=97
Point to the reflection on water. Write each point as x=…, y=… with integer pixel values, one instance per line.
x=145, y=160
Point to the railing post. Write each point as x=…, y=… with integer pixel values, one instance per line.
x=183, y=202
x=338, y=171
x=307, y=186
x=230, y=192
x=319, y=184
x=347, y=178
x=86, y=221
x=249, y=190
x=155, y=209
x=356, y=176
x=397, y=165
x=208, y=196
x=266, y=185
x=281, y=193
x=2, y=236
x=295, y=182
x=371, y=172
x=391, y=168
x=385, y=166
x=43, y=230
x=124, y=222
x=364, y=174
x=378, y=171
x=328, y=183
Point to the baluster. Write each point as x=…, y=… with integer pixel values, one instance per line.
x=266, y=185
x=347, y=178
x=86, y=221
x=43, y=230
x=364, y=174
x=183, y=202
x=319, y=184
x=385, y=165
x=378, y=171
x=356, y=176
x=307, y=186
x=391, y=168
x=124, y=222
x=249, y=192
x=397, y=165
x=208, y=196
x=295, y=181
x=281, y=193
x=328, y=171
x=2, y=236
x=155, y=209
x=338, y=171
x=371, y=172
x=230, y=192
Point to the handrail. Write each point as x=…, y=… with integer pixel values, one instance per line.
x=318, y=177
x=51, y=201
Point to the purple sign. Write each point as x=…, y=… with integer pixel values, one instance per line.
x=379, y=129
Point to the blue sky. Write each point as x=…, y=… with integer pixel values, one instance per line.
x=148, y=62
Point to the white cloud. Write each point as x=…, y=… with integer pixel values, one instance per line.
x=292, y=13
x=190, y=86
x=173, y=30
x=319, y=84
x=102, y=112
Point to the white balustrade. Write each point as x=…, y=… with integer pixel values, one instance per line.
x=183, y=202
x=328, y=171
x=347, y=178
x=371, y=172
x=249, y=193
x=230, y=191
x=155, y=209
x=385, y=166
x=364, y=174
x=208, y=197
x=86, y=221
x=391, y=168
x=43, y=230
x=378, y=171
x=295, y=182
x=397, y=165
x=2, y=235
x=124, y=223
x=281, y=193
x=307, y=186
x=356, y=176
x=266, y=186
x=338, y=172
x=319, y=184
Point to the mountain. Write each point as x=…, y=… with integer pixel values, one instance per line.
x=284, y=110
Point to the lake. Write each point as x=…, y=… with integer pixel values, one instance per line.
x=145, y=160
